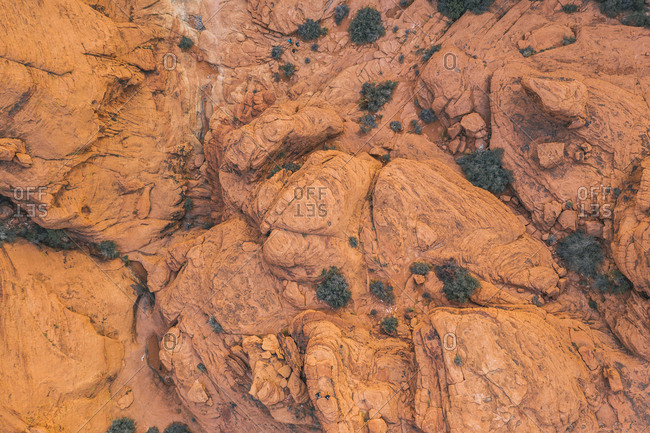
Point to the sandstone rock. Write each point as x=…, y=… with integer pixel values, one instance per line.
x=419, y=279
x=197, y=393
x=473, y=124
x=568, y=219
x=564, y=100
x=550, y=155
x=454, y=130
x=547, y=37
x=551, y=211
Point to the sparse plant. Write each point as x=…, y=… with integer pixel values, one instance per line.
x=483, y=169
x=353, y=241
x=122, y=425
x=580, y=253
x=419, y=268
x=382, y=291
x=569, y=8
x=458, y=360
x=288, y=69
x=527, y=52
x=310, y=30
x=458, y=284
x=177, y=427
x=389, y=325
x=453, y=9
x=636, y=19
x=568, y=40
x=396, y=126
x=334, y=288
x=416, y=128
x=366, y=26
x=614, y=282
x=375, y=95
x=427, y=115
x=185, y=43
x=276, y=52
x=341, y=12
x=215, y=325
x=189, y=204
x=426, y=55
x=367, y=122
x=108, y=250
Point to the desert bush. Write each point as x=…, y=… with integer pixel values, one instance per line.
x=527, y=52
x=289, y=166
x=122, y=425
x=276, y=52
x=614, y=281
x=215, y=325
x=366, y=26
x=375, y=95
x=389, y=325
x=636, y=19
x=341, y=12
x=396, y=126
x=382, y=291
x=288, y=69
x=580, y=253
x=416, y=128
x=177, y=427
x=310, y=30
x=613, y=8
x=419, y=268
x=453, y=9
x=185, y=43
x=483, y=169
x=570, y=8
x=568, y=40
x=367, y=122
x=108, y=250
x=353, y=241
x=426, y=55
x=53, y=238
x=458, y=284
x=153, y=430
x=334, y=288
x=427, y=116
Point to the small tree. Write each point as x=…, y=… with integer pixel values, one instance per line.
x=580, y=253
x=288, y=69
x=389, y=325
x=334, y=288
x=382, y=291
x=310, y=30
x=419, y=268
x=341, y=12
x=396, y=126
x=374, y=96
x=177, y=427
x=483, y=169
x=458, y=284
x=276, y=52
x=122, y=425
x=427, y=116
x=185, y=43
x=366, y=26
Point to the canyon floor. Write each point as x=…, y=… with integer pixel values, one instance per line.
x=355, y=217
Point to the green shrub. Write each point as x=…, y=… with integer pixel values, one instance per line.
x=185, y=43
x=189, y=204
x=568, y=40
x=453, y=9
x=334, y=288
x=458, y=284
x=483, y=169
x=416, y=128
x=366, y=26
x=426, y=55
x=122, y=425
x=580, y=253
x=341, y=12
x=108, y=250
x=374, y=96
x=314, y=47
x=614, y=281
x=52, y=238
x=382, y=291
x=353, y=241
x=569, y=8
x=276, y=52
x=289, y=166
x=215, y=325
x=612, y=8
x=288, y=69
x=527, y=52
x=177, y=427
x=396, y=126
x=427, y=116
x=419, y=268
x=636, y=19
x=367, y=122
x=7, y=234
x=458, y=360
x=310, y=30
x=153, y=430
x=389, y=325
